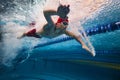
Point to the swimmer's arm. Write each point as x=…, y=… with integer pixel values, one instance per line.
x=79, y=39
x=48, y=14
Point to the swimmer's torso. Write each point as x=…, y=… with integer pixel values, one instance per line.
x=50, y=31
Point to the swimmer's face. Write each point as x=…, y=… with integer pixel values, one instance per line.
x=61, y=26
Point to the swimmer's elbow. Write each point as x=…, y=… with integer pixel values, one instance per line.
x=50, y=12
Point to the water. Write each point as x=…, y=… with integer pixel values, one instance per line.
x=61, y=61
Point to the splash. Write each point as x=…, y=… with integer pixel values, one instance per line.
x=22, y=11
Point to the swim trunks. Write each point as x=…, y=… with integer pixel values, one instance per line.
x=32, y=33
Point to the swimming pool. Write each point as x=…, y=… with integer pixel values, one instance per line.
x=65, y=60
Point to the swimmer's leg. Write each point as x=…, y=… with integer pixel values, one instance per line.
x=30, y=33
x=79, y=39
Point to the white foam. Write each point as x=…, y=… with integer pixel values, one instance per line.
x=12, y=45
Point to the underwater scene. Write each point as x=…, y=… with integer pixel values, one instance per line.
x=87, y=49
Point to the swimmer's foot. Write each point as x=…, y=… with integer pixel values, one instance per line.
x=21, y=36
x=91, y=51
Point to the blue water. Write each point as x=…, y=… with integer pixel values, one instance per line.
x=66, y=60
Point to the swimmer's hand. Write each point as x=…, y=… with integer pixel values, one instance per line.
x=90, y=51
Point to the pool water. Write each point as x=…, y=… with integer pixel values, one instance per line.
x=65, y=60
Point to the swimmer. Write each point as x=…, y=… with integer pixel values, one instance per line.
x=53, y=29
